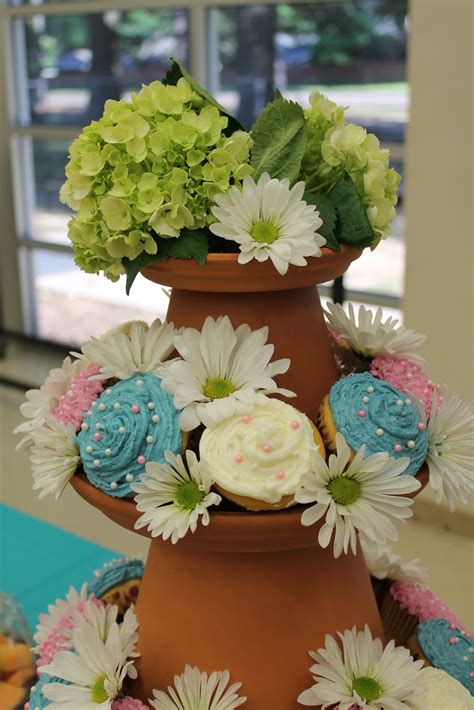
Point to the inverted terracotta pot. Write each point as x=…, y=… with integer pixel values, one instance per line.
x=255, y=293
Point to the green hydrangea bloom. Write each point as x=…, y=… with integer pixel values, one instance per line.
x=335, y=147
x=149, y=166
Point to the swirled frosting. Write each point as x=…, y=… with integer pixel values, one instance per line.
x=261, y=455
x=439, y=691
x=114, y=573
x=132, y=422
x=422, y=603
x=448, y=648
x=372, y=412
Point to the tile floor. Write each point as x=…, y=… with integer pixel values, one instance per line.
x=449, y=556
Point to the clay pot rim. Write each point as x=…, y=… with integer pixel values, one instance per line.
x=263, y=530
x=223, y=273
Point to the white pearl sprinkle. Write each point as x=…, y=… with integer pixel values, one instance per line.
x=409, y=375
x=69, y=394
x=33, y=688
x=89, y=449
x=108, y=391
x=399, y=402
x=370, y=389
x=151, y=405
x=97, y=573
x=121, y=430
x=96, y=462
x=117, y=405
x=411, y=444
x=139, y=383
x=379, y=432
x=408, y=401
x=155, y=418
x=108, y=452
x=94, y=404
x=365, y=399
x=98, y=425
x=149, y=440
x=114, y=485
x=101, y=407
x=465, y=659
x=84, y=426
x=129, y=477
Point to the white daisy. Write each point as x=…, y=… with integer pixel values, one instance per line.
x=369, y=335
x=95, y=669
x=58, y=613
x=451, y=449
x=364, y=673
x=54, y=457
x=131, y=348
x=43, y=401
x=173, y=497
x=364, y=496
x=103, y=618
x=221, y=372
x=268, y=220
x=385, y=564
x=194, y=690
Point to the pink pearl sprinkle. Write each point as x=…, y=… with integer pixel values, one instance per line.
x=245, y=418
x=268, y=448
x=141, y=459
x=135, y=408
x=397, y=447
x=89, y=412
x=420, y=426
x=238, y=458
x=452, y=626
x=97, y=436
x=280, y=475
x=361, y=412
x=471, y=674
x=453, y=640
x=295, y=425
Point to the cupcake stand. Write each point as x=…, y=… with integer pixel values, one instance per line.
x=252, y=592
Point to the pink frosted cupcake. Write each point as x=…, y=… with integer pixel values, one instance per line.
x=80, y=394
x=406, y=376
x=406, y=605
x=129, y=703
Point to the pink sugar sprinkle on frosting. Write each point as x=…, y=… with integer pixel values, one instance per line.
x=129, y=704
x=406, y=377
x=422, y=603
x=83, y=392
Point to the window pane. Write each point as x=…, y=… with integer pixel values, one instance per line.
x=48, y=216
x=72, y=306
x=354, y=51
x=76, y=62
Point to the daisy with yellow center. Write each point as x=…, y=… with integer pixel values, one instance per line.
x=269, y=221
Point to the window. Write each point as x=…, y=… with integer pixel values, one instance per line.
x=64, y=59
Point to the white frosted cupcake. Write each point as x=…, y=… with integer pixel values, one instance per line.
x=257, y=459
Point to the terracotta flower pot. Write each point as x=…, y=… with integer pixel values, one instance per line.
x=253, y=592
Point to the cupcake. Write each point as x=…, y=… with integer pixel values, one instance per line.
x=444, y=646
x=406, y=605
x=347, y=360
x=406, y=377
x=133, y=421
x=37, y=700
x=369, y=411
x=257, y=459
x=440, y=691
x=81, y=393
x=118, y=582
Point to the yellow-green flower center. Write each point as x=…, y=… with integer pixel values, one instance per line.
x=344, y=491
x=264, y=232
x=367, y=688
x=217, y=388
x=189, y=495
x=99, y=694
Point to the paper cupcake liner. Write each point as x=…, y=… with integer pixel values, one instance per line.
x=398, y=624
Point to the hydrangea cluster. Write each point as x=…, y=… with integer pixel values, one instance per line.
x=335, y=147
x=148, y=166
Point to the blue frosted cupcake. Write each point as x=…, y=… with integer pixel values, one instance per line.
x=37, y=700
x=369, y=411
x=445, y=646
x=118, y=582
x=132, y=422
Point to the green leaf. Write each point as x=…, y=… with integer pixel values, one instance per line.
x=133, y=267
x=352, y=225
x=279, y=136
x=191, y=244
x=177, y=71
x=327, y=212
